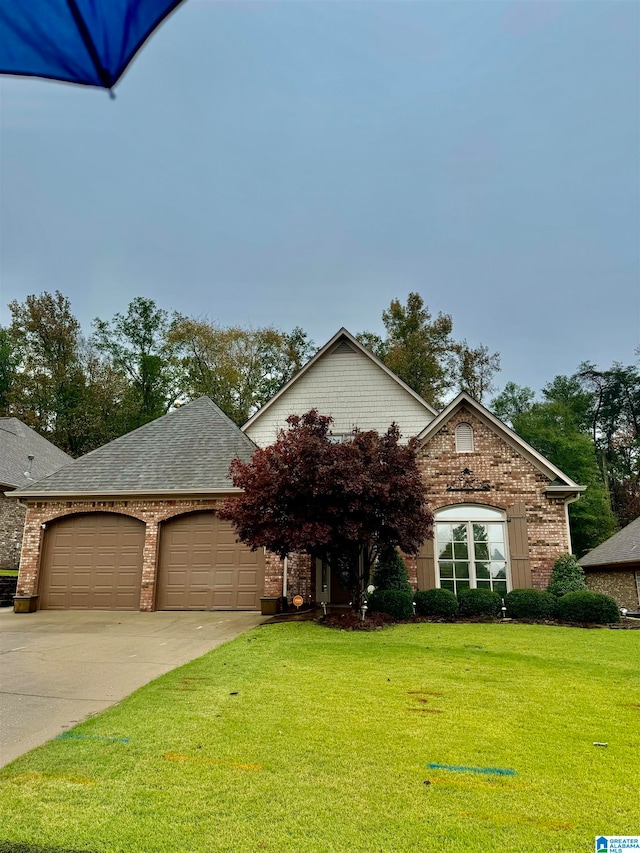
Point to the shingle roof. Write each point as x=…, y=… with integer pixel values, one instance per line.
x=17, y=443
x=189, y=449
x=622, y=547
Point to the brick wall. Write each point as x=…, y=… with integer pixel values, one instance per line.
x=11, y=527
x=151, y=512
x=620, y=584
x=511, y=478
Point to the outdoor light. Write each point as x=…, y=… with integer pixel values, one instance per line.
x=503, y=610
x=623, y=611
x=324, y=607
x=364, y=609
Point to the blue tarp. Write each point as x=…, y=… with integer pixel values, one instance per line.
x=80, y=41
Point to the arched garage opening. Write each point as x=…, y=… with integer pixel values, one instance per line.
x=92, y=561
x=202, y=567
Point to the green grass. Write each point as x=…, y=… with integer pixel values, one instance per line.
x=298, y=738
x=8, y=573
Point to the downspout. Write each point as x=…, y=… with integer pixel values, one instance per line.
x=566, y=515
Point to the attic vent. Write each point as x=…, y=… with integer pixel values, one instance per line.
x=464, y=438
x=343, y=347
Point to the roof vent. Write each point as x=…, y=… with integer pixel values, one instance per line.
x=27, y=473
x=344, y=347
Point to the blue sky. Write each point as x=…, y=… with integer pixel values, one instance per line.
x=303, y=163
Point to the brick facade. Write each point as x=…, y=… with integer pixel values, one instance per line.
x=509, y=476
x=511, y=479
x=151, y=512
x=12, y=515
x=620, y=583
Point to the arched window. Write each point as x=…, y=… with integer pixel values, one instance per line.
x=471, y=548
x=464, y=438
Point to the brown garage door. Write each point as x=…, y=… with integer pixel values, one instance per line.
x=202, y=567
x=92, y=562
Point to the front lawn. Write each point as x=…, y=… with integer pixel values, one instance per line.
x=298, y=738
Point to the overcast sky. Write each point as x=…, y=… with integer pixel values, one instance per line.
x=303, y=163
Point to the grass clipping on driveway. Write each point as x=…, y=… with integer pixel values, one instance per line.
x=297, y=738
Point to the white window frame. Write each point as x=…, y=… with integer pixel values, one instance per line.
x=469, y=514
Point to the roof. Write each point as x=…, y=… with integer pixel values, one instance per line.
x=187, y=451
x=622, y=547
x=17, y=443
x=561, y=485
x=342, y=334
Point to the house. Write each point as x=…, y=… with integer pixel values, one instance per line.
x=25, y=456
x=134, y=525
x=613, y=567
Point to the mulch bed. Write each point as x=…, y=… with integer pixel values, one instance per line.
x=349, y=620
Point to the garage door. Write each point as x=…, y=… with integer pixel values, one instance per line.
x=202, y=567
x=92, y=562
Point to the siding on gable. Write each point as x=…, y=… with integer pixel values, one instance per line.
x=353, y=390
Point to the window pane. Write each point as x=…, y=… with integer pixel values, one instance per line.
x=498, y=570
x=482, y=551
x=496, y=532
x=444, y=532
x=462, y=570
x=447, y=585
x=446, y=570
x=462, y=585
x=480, y=532
x=500, y=587
x=460, y=550
x=497, y=552
x=445, y=551
x=460, y=533
x=484, y=584
x=482, y=571
x=472, y=512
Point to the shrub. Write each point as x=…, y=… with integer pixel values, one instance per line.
x=567, y=576
x=391, y=572
x=479, y=602
x=396, y=602
x=436, y=602
x=530, y=604
x=587, y=606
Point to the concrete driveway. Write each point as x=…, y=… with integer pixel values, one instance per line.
x=57, y=668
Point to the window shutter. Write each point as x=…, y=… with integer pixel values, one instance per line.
x=519, y=547
x=426, y=566
x=464, y=438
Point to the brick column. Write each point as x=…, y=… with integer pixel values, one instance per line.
x=149, y=561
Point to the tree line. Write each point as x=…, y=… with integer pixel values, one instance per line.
x=81, y=391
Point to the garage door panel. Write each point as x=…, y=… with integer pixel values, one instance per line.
x=206, y=572
x=92, y=562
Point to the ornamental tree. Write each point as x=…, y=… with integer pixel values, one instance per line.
x=334, y=501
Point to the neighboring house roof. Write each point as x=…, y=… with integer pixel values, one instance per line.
x=347, y=392
x=185, y=452
x=561, y=485
x=622, y=547
x=17, y=443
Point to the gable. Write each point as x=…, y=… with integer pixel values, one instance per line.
x=499, y=442
x=347, y=383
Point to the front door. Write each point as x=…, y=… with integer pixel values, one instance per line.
x=329, y=586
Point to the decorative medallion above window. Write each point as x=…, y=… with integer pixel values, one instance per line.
x=464, y=438
x=466, y=482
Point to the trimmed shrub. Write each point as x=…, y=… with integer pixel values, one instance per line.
x=479, y=602
x=391, y=572
x=587, y=606
x=436, y=602
x=567, y=576
x=530, y=604
x=396, y=602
